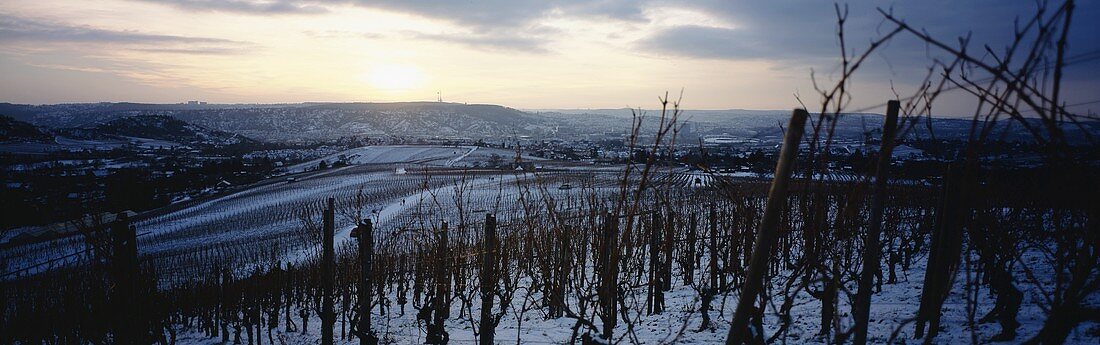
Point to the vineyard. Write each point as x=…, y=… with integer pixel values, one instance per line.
x=409, y=244
x=561, y=255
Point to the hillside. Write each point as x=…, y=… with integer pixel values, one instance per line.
x=307, y=121
x=12, y=130
x=325, y=121
x=154, y=130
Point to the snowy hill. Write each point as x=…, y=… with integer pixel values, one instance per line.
x=447, y=156
x=326, y=121
x=12, y=130
x=155, y=128
x=307, y=121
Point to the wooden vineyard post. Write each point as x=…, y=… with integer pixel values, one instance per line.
x=872, y=249
x=711, y=281
x=436, y=332
x=365, y=234
x=768, y=231
x=328, y=315
x=669, y=225
x=127, y=329
x=689, y=263
x=713, y=239
x=722, y=272
x=652, y=305
x=658, y=282
x=487, y=326
x=944, y=253
x=223, y=303
x=609, y=266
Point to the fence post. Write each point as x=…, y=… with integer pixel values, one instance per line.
x=713, y=257
x=436, y=332
x=711, y=281
x=223, y=302
x=944, y=252
x=127, y=320
x=365, y=234
x=689, y=264
x=669, y=227
x=767, y=234
x=488, y=281
x=328, y=315
x=654, y=266
x=610, y=273
x=872, y=249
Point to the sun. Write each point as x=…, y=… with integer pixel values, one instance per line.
x=395, y=77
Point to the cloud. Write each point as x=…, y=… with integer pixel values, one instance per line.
x=511, y=13
x=530, y=40
x=783, y=30
x=715, y=43
x=796, y=31
x=507, y=25
x=20, y=29
x=23, y=30
x=495, y=24
x=155, y=73
x=196, y=51
x=479, y=14
x=780, y=30
x=495, y=42
x=342, y=34
x=247, y=6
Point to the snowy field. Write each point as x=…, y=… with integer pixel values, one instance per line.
x=680, y=323
x=396, y=185
x=526, y=321
x=450, y=156
x=60, y=144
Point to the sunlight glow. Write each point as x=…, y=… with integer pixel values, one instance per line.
x=396, y=77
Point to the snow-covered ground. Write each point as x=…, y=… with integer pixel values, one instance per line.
x=269, y=215
x=892, y=308
x=680, y=323
x=450, y=156
x=60, y=144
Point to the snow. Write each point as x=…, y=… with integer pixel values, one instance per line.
x=447, y=156
x=392, y=154
x=152, y=143
x=267, y=210
x=680, y=323
x=891, y=308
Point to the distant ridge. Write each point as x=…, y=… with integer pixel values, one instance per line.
x=305, y=121
x=12, y=130
x=313, y=121
x=157, y=127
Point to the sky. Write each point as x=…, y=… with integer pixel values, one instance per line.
x=528, y=54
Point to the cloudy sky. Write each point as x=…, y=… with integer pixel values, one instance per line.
x=519, y=53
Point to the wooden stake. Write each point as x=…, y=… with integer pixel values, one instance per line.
x=365, y=233
x=127, y=320
x=610, y=263
x=328, y=316
x=689, y=263
x=767, y=234
x=487, y=326
x=436, y=333
x=872, y=249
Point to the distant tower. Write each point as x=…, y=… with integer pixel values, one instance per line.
x=519, y=156
x=439, y=96
x=517, y=160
